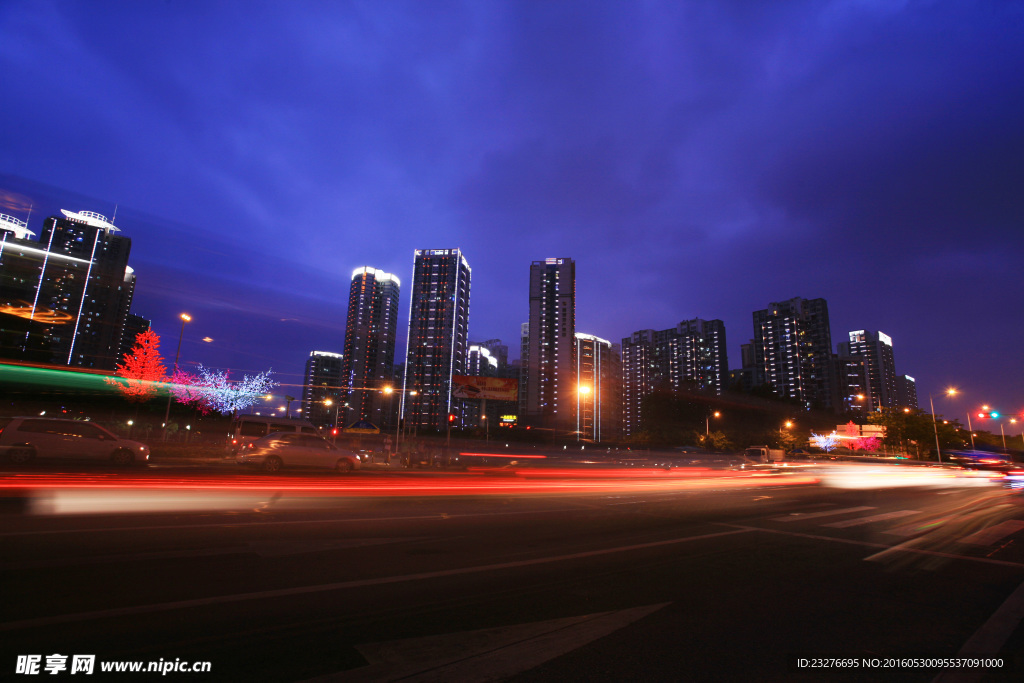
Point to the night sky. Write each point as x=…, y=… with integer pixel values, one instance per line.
x=696, y=159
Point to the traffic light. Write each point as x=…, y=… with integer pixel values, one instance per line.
x=989, y=414
x=451, y=417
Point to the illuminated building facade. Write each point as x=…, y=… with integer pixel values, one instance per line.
x=524, y=365
x=369, y=355
x=437, y=344
x=134, y=325
x=688, y=357
x=323, y=382
x=793, y=352
x=64, y=299
x=598, y=399
x=875, y=350
x=906, y=391
x=551, y=366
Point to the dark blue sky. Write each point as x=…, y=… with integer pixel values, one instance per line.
x=695, y=158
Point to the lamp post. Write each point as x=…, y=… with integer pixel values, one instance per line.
x=334, y=426
x=185, y=318
x=584, y=391
x=388, y=391
x=707, y=422
x=935, y=425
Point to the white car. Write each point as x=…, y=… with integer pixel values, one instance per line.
x=25, y=439
x=288, y=449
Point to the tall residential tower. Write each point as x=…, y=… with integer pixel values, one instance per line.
x=551, y=365
x=369, y=354
x=437, y=345
x=793, y=351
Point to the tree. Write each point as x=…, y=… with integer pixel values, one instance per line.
x=141, y=369
x=212, y=390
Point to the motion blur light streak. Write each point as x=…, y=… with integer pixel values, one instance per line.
x=85, y=494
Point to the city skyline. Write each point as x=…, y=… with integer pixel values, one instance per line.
x=694, y=163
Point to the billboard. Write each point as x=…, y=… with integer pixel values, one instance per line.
x=495, y=388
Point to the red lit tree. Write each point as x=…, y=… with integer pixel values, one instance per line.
x=141, y=369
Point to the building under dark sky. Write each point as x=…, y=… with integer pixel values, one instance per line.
x=369, y=357
x=438, y=338
x=551, y=384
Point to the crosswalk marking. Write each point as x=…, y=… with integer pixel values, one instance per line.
x=800, y=516
x=873, y=518
x=994, y=533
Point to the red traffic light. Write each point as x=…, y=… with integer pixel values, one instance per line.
x=451, y=417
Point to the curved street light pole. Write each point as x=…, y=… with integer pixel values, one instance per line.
x=185, y=318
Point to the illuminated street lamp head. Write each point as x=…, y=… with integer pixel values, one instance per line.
x=718, y=414
x=951, y=391
x=186, y=317
x=860, y=397
x=906, y=410
x=328, y=402
x=388, y=390
x=789, y=423
x=584, y=389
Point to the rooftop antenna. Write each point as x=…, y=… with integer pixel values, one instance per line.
x=29, y=216
x=114, y=217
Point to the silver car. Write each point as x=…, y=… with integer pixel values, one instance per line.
x=288, y=449
x=24, y=439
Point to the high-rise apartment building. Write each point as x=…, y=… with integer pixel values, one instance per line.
x=598, y=399
x=369, y=354
x=66, y=296
x=906, y=391
x=323, y=384
x=524, y=365
x=793, y=351
x=551, y=376
x=875, y=349
x=134, y=325
x=438, y=335
x=690, y=356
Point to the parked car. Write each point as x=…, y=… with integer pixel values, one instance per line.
x=289, y=449
x=24, y=439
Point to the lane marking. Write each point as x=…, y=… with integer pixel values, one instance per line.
x=800, y=516
x=231, y=525
x=989, y=639
x=873, y=518
x=361, y=583
x=485, y=654
x=264, y=549
x=885, y=548
x=994, y=533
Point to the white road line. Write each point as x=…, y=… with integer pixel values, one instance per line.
x=269, y=522
x=989, y=639
x=800, y=516
x=873, y=518
x=885, y=548
x=306, y=590
x=994, y=533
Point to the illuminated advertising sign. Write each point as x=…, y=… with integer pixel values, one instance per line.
x=496, y=388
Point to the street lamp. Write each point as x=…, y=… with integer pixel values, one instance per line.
x=185, y=318
x=707, y=422
x=584, y=391
x=334, y=431
x=388, y=391
x=935, y=426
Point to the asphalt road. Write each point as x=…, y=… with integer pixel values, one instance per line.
x=397, y=577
